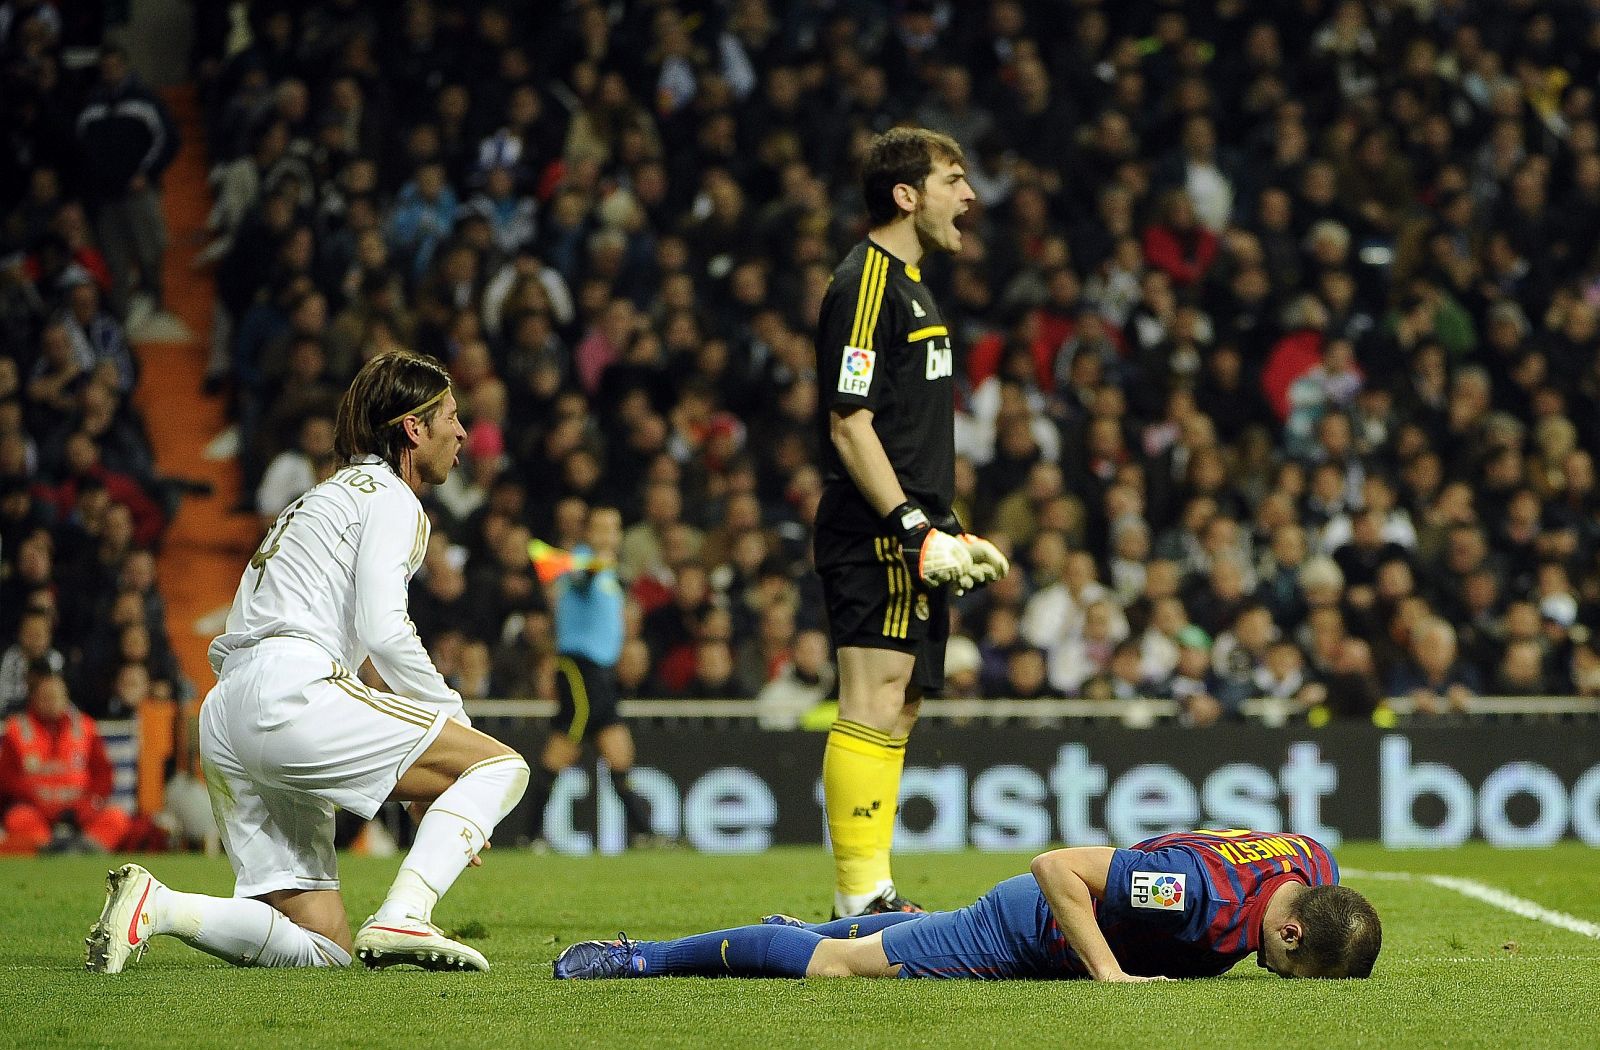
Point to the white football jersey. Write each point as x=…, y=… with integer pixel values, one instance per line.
x=333, y=570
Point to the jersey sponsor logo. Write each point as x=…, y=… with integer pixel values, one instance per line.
x=941, y=361
x=1157, y=890
x=917, y=310
x=855, y=371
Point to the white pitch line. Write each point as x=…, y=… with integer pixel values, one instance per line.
x=1492, y=895
x=1497, y=960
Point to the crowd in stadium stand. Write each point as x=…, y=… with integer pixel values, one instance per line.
x=82, y=504
x=1277, y=327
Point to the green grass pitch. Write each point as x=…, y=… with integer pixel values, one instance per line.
x=1454, y=972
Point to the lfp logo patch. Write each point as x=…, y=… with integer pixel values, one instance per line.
x=1159, y=890
x=855, y=371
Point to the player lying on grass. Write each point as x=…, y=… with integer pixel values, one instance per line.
x=1182, y=905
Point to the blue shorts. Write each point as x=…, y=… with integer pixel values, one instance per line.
x=997, y=938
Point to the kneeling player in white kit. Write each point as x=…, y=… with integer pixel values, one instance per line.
x=288, y=733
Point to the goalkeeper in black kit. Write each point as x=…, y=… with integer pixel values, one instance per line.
x=888, y=547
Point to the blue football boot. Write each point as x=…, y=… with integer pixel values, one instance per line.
x=595, y=960
x=783, y=920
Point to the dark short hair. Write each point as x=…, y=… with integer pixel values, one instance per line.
x=901, y=155
x=387, y=389
x=1342, y=933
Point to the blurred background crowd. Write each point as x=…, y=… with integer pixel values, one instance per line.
x=1276, y=324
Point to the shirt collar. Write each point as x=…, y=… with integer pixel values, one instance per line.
x=373, y=459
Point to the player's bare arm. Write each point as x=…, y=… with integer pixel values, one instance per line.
x=1072, y=880
x=934, y=557
x=864, y=458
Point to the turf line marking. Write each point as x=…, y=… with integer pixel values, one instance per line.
x=1503, y=958
x=1491, y=895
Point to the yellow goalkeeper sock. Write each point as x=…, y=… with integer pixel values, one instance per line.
x=860, y=782
x=891, y=781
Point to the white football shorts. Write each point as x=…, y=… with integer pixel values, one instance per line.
x=286, y=735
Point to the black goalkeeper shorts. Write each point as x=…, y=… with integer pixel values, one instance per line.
x=874, y=602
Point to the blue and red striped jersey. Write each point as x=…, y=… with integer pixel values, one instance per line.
x=1190, y=904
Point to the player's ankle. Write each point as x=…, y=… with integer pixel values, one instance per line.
x=171, y=912
x=156, y=910
x=853, y=903
x=409, y=898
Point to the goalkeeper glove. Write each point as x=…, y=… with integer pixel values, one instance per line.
x=934, y=557
x=988, y=564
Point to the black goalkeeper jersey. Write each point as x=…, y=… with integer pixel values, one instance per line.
x=882, y=345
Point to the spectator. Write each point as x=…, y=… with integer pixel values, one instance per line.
x=424, y=215
x=294, y=471
x=1081, y=657
x=33, y=650
x=129, y=690
x=1056, y=612
x=713, y=672
x=803, y=682
x=1351, y=689
x=1122, y=679
x=1025, y=675
x=1193, y=683
x=1366, y=550
x=963, y=666
x=55, y=778
x=126, y=128
x=633, y=671
x=83, y=474
x=1521, y=671
x=1176, y=243
x=673, y=629
x=1434, y=677
x=1239, y=656
x=643, y=543
x=97, y=337
x=762, y=656
x=1283, y=676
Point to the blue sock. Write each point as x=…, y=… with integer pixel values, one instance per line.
x=854, y=926
x=745, y=951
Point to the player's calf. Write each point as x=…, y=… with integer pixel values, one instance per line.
x=455, y=829
x=238, y=930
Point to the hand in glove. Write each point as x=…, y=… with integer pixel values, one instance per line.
x=988, y=564
x=934, y=557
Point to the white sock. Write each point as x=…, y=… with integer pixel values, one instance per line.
x=241, y=931
x=851, y=903
x=452, y=832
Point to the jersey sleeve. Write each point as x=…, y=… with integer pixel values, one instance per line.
x=393, y=536
x=1166, y=890
x=856, y=312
